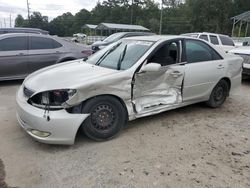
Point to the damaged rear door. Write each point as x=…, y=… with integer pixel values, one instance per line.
x=156, y=89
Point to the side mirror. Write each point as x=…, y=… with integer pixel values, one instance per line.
x=151, y=67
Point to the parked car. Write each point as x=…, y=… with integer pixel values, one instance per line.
x=24, y=53
x=223, y=41
x=244, y=52
x=132, y=78
x=246, y=41
x=115, y=37
x=79, y=35
x=23, y=30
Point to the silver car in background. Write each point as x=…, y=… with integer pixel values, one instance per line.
x=129, y=79
x=24, y=53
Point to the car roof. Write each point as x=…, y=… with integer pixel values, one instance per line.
x=155, y=38
x=197, y=33
x=133, y=32
x=23, y=34
x=22, y=30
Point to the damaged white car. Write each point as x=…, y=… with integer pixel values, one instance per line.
x=129, y=79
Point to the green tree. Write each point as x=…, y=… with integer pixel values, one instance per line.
x=38, y=21
x=20, y=21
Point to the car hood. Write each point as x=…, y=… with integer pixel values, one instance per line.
x=241, y=50
x=69, y=75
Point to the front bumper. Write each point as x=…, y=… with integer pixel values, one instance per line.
x=62, y=125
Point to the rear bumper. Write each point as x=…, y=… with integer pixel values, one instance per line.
x=62, y=126
x=246, y=70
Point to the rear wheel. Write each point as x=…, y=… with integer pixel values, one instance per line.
x=107, y=118
x=219, y=94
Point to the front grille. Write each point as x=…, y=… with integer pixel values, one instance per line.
x=27, y=92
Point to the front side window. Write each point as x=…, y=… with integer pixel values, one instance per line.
x=120, y=55
x=13, y=44
x=198, y=51
x=38, y=43
x=168, y=54
x=226, y=41
x=214, y=40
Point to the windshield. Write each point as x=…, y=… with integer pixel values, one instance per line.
x=120, y=55
x=114, y=37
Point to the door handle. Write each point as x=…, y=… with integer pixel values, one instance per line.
x=220, y=67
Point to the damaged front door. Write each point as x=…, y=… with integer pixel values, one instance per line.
x=155, y=88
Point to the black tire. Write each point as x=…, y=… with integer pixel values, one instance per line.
x=107, y=118
x=219, y=94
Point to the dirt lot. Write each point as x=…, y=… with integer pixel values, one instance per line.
x=193, y=146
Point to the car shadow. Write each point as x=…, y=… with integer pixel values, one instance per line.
x=10, y=83
x=246, y=82
x=82, y=140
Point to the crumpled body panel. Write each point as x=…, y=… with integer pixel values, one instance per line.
x=157, y=89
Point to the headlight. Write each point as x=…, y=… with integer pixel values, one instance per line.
x=52, y=99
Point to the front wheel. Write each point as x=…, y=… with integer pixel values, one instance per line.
x=219, y=94
x=107, y=117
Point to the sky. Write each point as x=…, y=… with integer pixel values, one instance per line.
x=50, y=8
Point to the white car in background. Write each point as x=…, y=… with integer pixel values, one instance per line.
x=131, y=78
x=223, y=41
x=244, y=52
x=79, y=35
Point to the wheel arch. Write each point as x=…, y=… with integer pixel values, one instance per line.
x=110, y=95
x=102, y=95
x=228, y=82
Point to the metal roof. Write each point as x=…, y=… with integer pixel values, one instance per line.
x=113, y=26
x=242, y=17
x=89, y=26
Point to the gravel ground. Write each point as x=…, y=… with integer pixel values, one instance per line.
x=194, y=146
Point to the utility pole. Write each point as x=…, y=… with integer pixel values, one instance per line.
x=160, y=30
x=131, y=16
x=28, y=9
x=10, y=21
x=4, y=22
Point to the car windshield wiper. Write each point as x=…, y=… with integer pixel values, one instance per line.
x=106, y=54
x=122, y=57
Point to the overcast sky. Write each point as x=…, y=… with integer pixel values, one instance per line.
x=50, y=8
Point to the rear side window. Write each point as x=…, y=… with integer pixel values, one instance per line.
x=13, y=44
x=38, y=43
x=226, y=41
x=214, y=39
x=198, y=51
x=204, y=37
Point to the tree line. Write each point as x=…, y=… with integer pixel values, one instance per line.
x=178, y=16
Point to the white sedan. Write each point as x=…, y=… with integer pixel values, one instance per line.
x=129, y=79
